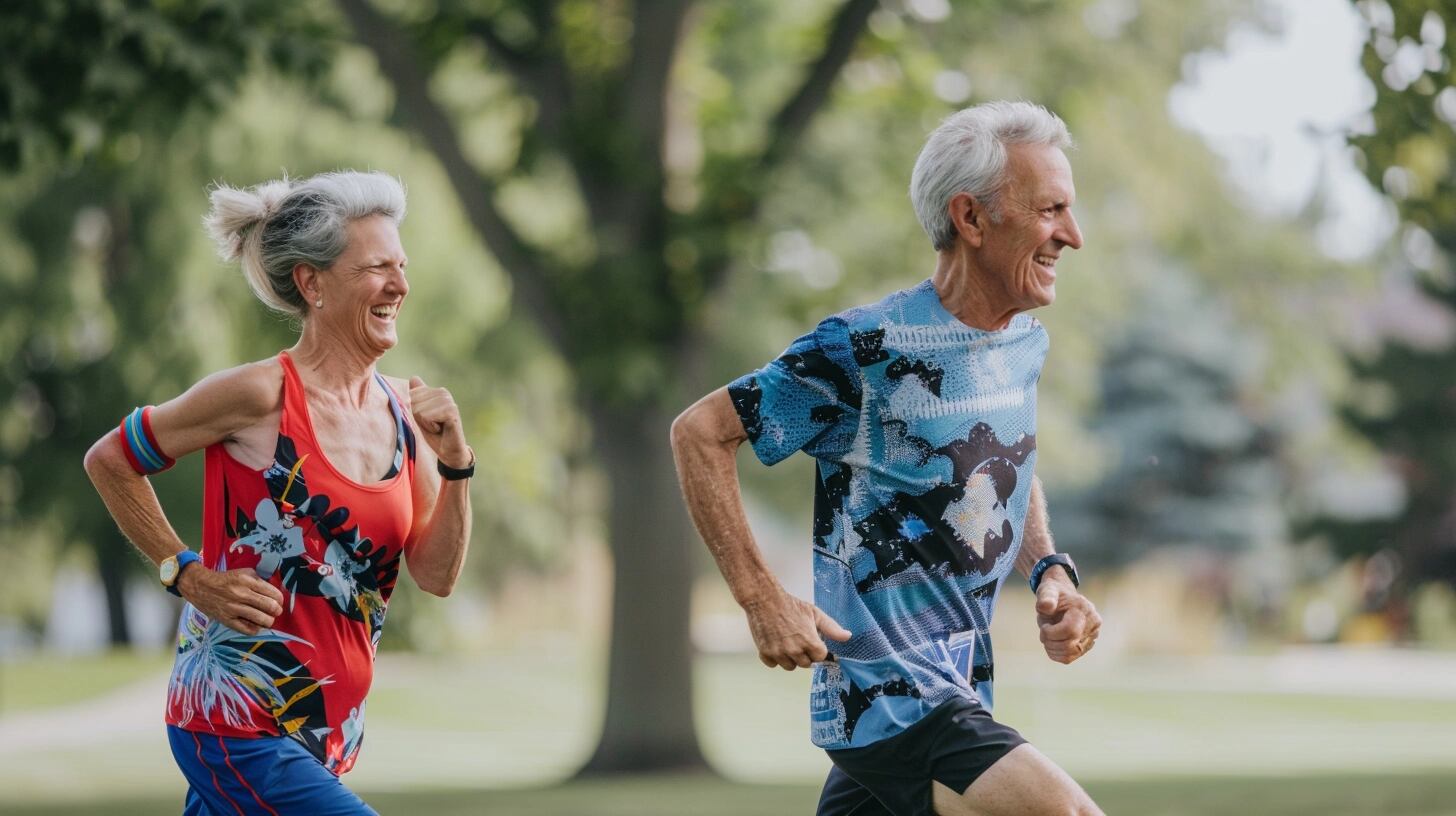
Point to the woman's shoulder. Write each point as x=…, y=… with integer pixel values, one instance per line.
x=250, y=388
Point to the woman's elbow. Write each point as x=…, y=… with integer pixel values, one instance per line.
x=100, y=458
x=439, y=587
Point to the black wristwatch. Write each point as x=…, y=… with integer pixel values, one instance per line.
x=1054, y=560
x=450, y=474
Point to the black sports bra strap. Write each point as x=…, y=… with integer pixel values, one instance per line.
x=401, y=430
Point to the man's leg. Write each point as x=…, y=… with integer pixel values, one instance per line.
x=1022, y=783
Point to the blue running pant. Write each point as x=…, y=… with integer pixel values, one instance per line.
x=260, y=776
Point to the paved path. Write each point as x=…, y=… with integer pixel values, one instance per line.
x=135, y=711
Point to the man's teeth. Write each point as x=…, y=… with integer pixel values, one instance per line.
x=1045, y=260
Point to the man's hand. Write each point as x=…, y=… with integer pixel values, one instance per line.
x=238, y=599
x=439, y=420
x=787, y=631
x=1069, y=623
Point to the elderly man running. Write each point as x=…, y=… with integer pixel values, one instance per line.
x=921, y=413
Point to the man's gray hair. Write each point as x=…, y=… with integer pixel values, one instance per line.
x=278, y=224
x=967, y=154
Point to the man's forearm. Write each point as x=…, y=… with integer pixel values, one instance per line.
x=707, y=470
x=1036, y=536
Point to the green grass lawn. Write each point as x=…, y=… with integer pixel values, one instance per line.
x=49, y=681
x=1389, y=795
x=497, y=733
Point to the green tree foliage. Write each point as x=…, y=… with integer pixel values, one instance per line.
x=91, y=296
x=662, y=140
x=672, y=190
x=1188, y=459
x=1403, y=402
x=94, y=89
x=80, y=72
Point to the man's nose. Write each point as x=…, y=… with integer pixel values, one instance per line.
x=1069, y=233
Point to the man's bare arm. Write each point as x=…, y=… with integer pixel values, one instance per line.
x=1068, y=621
x=705, y=442
x=1036, y=538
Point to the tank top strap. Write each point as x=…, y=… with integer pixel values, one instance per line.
x=404, y=438
x=295, y=405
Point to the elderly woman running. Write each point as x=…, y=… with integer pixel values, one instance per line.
x=314, y=489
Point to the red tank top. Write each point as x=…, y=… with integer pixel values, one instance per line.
x=333, y=547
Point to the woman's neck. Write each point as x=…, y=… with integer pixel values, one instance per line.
x=333, y=367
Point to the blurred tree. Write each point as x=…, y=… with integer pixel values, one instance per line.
x=1189, y=459
x=89, y=87
x=91, y=313
x=1404, y=401
x=80, y=72
x=621, y=162
x=654, y=142
x=618, y=292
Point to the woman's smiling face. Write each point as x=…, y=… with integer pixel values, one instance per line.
x=364, y=289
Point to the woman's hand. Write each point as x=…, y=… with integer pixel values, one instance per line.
x=438, y=419
x=238, y=599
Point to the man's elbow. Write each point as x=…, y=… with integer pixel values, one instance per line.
x=701, y=425
x=680, y=434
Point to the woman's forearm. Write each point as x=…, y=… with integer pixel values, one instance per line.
x=438, y=556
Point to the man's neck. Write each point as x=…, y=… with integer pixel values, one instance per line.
x=965, y=293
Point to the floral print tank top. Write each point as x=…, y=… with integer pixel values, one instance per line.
x=332, y=546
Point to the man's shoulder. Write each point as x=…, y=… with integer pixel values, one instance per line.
x=896, y=307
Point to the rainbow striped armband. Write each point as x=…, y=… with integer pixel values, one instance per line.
x=140, y=443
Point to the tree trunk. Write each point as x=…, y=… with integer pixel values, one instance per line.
x=113, y=566
x=649, y=719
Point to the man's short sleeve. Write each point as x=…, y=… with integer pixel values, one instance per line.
x=808, y=399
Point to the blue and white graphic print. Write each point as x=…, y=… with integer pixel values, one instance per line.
x=925, y=434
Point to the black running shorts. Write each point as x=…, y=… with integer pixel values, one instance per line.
x=953, y=745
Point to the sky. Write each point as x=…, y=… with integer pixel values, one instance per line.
x=1276, y=105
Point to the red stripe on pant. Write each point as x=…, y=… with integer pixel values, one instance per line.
x=215, y=782
x=227, y=758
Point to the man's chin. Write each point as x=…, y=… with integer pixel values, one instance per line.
x=1043, y=296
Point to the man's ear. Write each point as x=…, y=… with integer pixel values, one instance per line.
x=969, y=218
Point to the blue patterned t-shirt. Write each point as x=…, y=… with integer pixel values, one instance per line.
x=924, y=430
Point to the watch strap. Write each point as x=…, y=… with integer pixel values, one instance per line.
x=183, y=559
x=1054, y=560
x=450, y=474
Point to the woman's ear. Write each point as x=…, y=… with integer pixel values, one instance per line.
x=306, y=277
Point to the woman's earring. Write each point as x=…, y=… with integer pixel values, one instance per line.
x=319, y=304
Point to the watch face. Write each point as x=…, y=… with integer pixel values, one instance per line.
x=169, y=570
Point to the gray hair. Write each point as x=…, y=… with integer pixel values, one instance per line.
x=967, y=154
x=278, y=224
